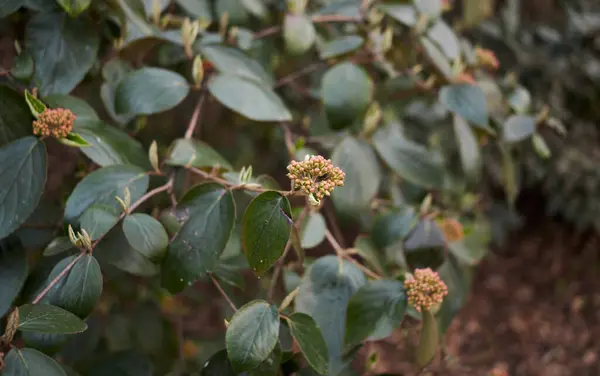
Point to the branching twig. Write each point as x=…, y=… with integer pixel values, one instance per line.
x=343, y=254
x=222, y=292
x=235, y=187
x=316, y=19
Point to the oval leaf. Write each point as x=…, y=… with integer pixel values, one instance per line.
x=409, y=160
x=468, y=147
x=103, y=185
x=13, y=271
x=310, y=340
x=298, y=33
x=248, y=98
x=195, y=153
x=98, y=220
x=313, y=230
x=341, y=46
x=45, y=318
x=363, y=175
x=22, y=180
x=266, y=230
x=30, y=362
x=518, y=128
x=63, y=49
x=468, y=101
x=149, y=91
x=15, y=116
x=252, y=335
x=231, y=61
x=200, y=242
x=375, y=311
x=146, y=235
x=346, y=90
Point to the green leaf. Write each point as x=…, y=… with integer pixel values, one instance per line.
x=115, y=250
x=437, y=58
x=195, y=153
x=367, y=250
x=313, y=230
x=218, y=365
x=471, y=249
x=266, y=230
x=518, y=128
x=310, y=340
x=149, y=91
x=123, y=363
x=325, y=291
x=58, y=245
x=375, y=311
x=428, y=339
x=233, y=62
x=467, y=101
x=468, y=147
x=9, y=6
x=405, y=14
x=409, y=160
x=146, y=235
x=346, y=91
x=97, y=220
x=103, y=185
x=23, y=67
x=252, y=334
x=341, y=46
x=35, y=105
x=30, y=362
x=445, y=38
x=298, y=33
x=111, y=146
x=270, y=366
x=79, y=290
x=13, y=272
x=63, y=49
x=74, y=7
x=84, y=113
x=429, y=8
x=198, y=8
x=22, y=180
x=200, y=242
x=393, y=226
x=363, y=175
x=45, y=318
x=15, y=116
x=74, y=140
x=248, y=98
x=540, y=146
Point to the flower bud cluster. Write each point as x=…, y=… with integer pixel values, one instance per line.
x=425, y=289
x=54, y=122
x=315, y=176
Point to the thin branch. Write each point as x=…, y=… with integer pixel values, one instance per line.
x=235, y=187
x=222, y=292
x=58, y=278
x=277, y=271
x=343, y=254
x=299, y=73
x=195, y=116
x=316, y=19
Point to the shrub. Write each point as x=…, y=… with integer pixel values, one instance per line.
x=381, y=113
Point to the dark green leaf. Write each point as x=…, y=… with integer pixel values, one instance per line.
x=375, y=311
x=325, y=291
x=367, y=250
x=149, y=91
x=97, y=220
x=15, y=117
x=310, y=340
x=146, y=235
x=58, y=245
x=363, y=175
x=266, y=230
x=45, y=318
x=218, y=365
x=30, y=362
x=115, y=250
x=438, y=59
x=22, y=180
x=198, y=8
x=298, y=33
x=195, y=153
x=468, y=101
x=391, y=227
x=36, y=106
x=13, y=271
x=346, y=91
x=313, y=230
x=252, y=334
x=22, y=68
x=74, y=7
x=248, y=98
x=409, y=160
x=518, y=128
x=83, y=111
x=63, y=49
x=468, y=147
x=270, y=366
x=341, y=46
x=9, y=6
x=103, y=185
x=232, y=62
x=77, y=291
x=111, y=146
x=200, y=242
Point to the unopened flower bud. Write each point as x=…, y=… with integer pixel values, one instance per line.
x=425, y=289
x=57, y=123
